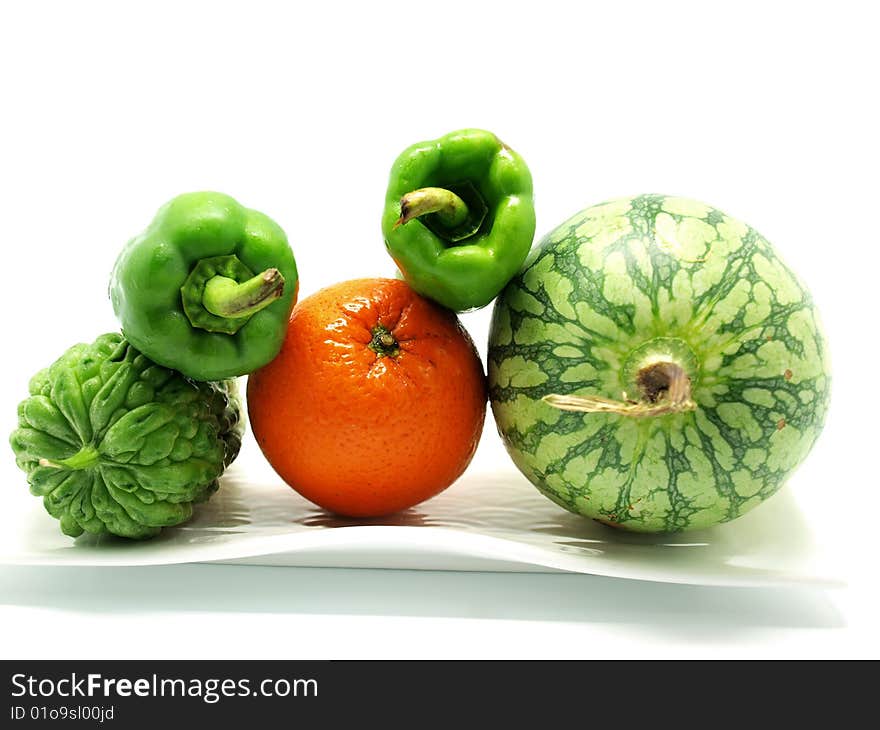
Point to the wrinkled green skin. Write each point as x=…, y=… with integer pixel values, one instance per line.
x=145, y=286
x=469, y=274
x=654, y=276
x=141, y=443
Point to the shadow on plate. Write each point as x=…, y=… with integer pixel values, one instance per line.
x=684, y=610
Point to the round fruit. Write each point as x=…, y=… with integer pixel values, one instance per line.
x=656, y=366
x=376, y=401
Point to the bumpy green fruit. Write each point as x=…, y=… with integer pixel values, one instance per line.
x=115, y=443
x=656, y=366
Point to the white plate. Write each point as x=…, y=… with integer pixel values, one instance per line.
x=491, y=519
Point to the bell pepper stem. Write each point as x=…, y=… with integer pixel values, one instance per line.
x=450, y=209
x=228, y=298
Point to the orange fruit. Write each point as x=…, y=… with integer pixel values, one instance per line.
x=376, y=401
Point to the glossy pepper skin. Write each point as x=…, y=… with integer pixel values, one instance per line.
x=463, y=255
x=207, y=288
x=115, y=443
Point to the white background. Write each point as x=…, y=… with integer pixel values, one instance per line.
x=768, y=111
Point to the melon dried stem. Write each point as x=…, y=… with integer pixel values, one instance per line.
x=665, y=386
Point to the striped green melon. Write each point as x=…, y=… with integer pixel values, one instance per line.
x=656, y=366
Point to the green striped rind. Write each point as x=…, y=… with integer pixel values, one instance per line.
x=655, y=275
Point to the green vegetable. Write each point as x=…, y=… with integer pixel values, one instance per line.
x=115, y=443
x=459, y=218
x=656, y=366
x=207, y=289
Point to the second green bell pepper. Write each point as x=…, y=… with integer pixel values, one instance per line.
x=207, y=288
x=459, y=217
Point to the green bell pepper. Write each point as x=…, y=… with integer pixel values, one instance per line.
x=207, y=288
x=114, y=443
x=472, y=196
